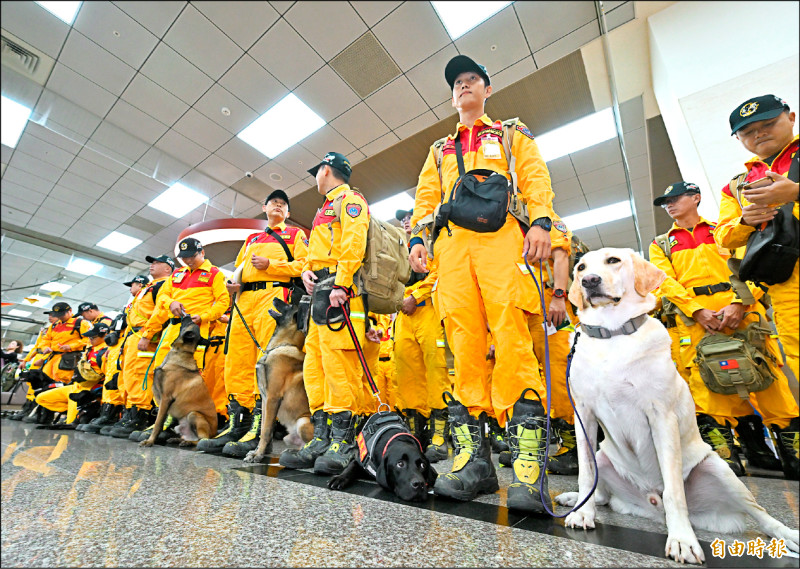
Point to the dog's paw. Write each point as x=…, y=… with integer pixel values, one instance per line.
x=581, y=519
x=253, y=457
x=293, y=440
x=568, y=499
x=684, y=549
x=185, y=443
x=789, y=536
x=336, y=482
x=146, y=443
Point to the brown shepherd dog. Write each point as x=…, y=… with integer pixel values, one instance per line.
x=179, y=390
x=280, y=381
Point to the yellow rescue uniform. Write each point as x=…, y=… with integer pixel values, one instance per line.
x=731, y=233
x=385, y=368
x=254, y=300
x=332, y=372
x=215, y=365
x=479, y=281
x=58, y=400
x=69, y=334
x=698, y=262
x=36, y=358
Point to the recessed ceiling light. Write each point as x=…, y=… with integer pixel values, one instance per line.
x=460, y=17
x=385, y=209
x=64, y=11
x=56, y=286
x=284, y=125
x=178, y=200
x=598, y=216
x=119, y=242
x=577, y=135
x=13, y=119
x=16, y=312
x=275, y=177
x=84, y=267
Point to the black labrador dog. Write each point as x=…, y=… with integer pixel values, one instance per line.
x=388, y=452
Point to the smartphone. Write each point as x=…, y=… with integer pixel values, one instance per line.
x=760, y=183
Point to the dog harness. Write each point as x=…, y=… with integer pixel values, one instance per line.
x=626, y=329
x=375, y=426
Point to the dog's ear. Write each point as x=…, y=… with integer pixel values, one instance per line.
x=646, y=276
x=385, y=475
x=576, y=294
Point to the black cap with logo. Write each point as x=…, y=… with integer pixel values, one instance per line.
x=280, y=194
x=461, y=63
x=676, y=190
x=99, y=329
x=161, y=259
x=84, y=306
x=756, y=109
x=141, y=279
x=336, y=160
x=400, y=214
x=59, y=308
x=189, y=247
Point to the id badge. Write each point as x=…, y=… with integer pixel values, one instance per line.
x=178, y=278
x=491, y=150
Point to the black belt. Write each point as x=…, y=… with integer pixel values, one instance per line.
x=385, y=358
x=711, y=289
x=260, y=285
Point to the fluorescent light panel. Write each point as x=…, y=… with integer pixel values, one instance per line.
x=84, y=267
x=598, y=216
x=285, y=124
x=56, y=287
x=460, y=17
x=14, y=117
x=16, y=312
x=64, y=11
x=577, y=135
x=385, y=209
x=178, y=200
x=119, y=242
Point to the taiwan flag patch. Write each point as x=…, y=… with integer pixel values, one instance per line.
x=729, y=364
x=353, y=210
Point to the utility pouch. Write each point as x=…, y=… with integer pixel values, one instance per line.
x=304, y=313
x=69, y=361
x=321, y=300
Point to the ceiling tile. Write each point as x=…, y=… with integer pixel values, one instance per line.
x=513, y=73
x=635, y=142
x=202, y=183
x=241, y=155
x=82, y=185
x=570, y=206
x=360, y=125
x=137, y=123
x=428, y=76
x=567, y=189
x=616, y=16
x=412, y=33
x=282, y=5
x=27, y=180
x=212, y=103
x=36, y=167
x=155, y=16
x=110, y=212
x=202, y=130
x=54, y=138
x=33, y=24
x=251, y=83
x=21, y=198
x=380, y=144
x=142, y=92
x=112, y=29
x=93, y=172
x=104, y=162
x=327, y=94
x=396, y=102
x=639, y=166
x=298, y=160
x=220, y=170
x=374, y=12
x=72, y=209
x=506, y=46
x=14, y=216
x=96, y=64
x=597, y=156
x=270, y=51
x=446, y=110
x=128, y=202
x=566, y=45
x=243, y=22
x=277, y=176
x=64, y=117
x=546, y=22
x=416, y=124
x=45, y=151
x=608, y=195
x=178, y=146
x=602, y=178
x=326, y=140
x=202, y=43
x=328, y=26
x=112, y=141
x=175, y=74
x=78, y=88
x=561, y=169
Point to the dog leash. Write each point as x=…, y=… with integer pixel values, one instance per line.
x=246, y=327
x=569, y=394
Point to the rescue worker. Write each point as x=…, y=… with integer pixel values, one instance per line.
x=90, y=312
x=267, y=270
x=479, y=284
x=421, y=371
x=384, y=373
x=33, y=360
x=63, y=337
x=698, y=284
x=765, y=126
x=214, y=364
x=58, y=400
x=331, y=371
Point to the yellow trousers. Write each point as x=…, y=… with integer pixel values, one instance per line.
x=115, y=366
x=421, y=371
x=558, y=346
x=787, y=318
x=480, y=285
x=134, y=366
x=57, y=399
x=50, y=369
x=368, y=402
x=675, y=352
x=214, y=377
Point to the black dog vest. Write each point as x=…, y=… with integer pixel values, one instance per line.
x=377, y=425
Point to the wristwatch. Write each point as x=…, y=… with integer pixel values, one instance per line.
x=543, y=222
x=559, y=293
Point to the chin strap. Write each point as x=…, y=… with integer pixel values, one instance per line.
x=626, y=329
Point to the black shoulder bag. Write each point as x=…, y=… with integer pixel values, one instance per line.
x=296, y=287
x=772, y=252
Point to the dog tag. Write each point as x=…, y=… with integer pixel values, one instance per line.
x=549, y=328
x=491, y=150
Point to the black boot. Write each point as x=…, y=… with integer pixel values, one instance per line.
x=343, y=444
x=439, y=428
x=27, y=407
x=126, y=416
x=166, y=430
x=240, y=421
x=250, y=440
x=473, y=472
x=109, y=414
x=721, y=440
x=527, y=437
x=417, y=424
x=139, y=419
x=565, y=461
x=497, y=436
x=751, y=435
x=788, y=443
x=313, y=449
x=34, y=414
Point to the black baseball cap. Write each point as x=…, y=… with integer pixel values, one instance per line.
x=676, y=190
x=280, y=194
x=338, y=161
x=756, y=109
x=59, y=308
x=141, y=279
x=189, y=247
x=401, y=213
x=161, y=259
x=99, y=329
x=84, y=306
x=461, y=63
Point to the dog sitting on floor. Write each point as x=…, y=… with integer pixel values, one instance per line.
x=652, y=462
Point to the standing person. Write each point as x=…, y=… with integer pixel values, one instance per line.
x=64, y=341
x=269, y=259
x=765, y=126
x=697, y=283
x=90, y=312
x=479, y=284
x=331, y=370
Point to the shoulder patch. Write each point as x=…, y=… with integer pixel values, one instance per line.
x=353, y=210
x=561, y=226
x=524, y=130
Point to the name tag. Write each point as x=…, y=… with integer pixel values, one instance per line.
x=202, y=279
x=178, y=278
x=491, y=150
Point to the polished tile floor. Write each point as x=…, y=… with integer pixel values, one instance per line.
x=82, y=500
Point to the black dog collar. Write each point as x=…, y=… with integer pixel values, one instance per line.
x=626, y=329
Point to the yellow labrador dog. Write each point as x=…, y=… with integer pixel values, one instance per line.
x=652, y=462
